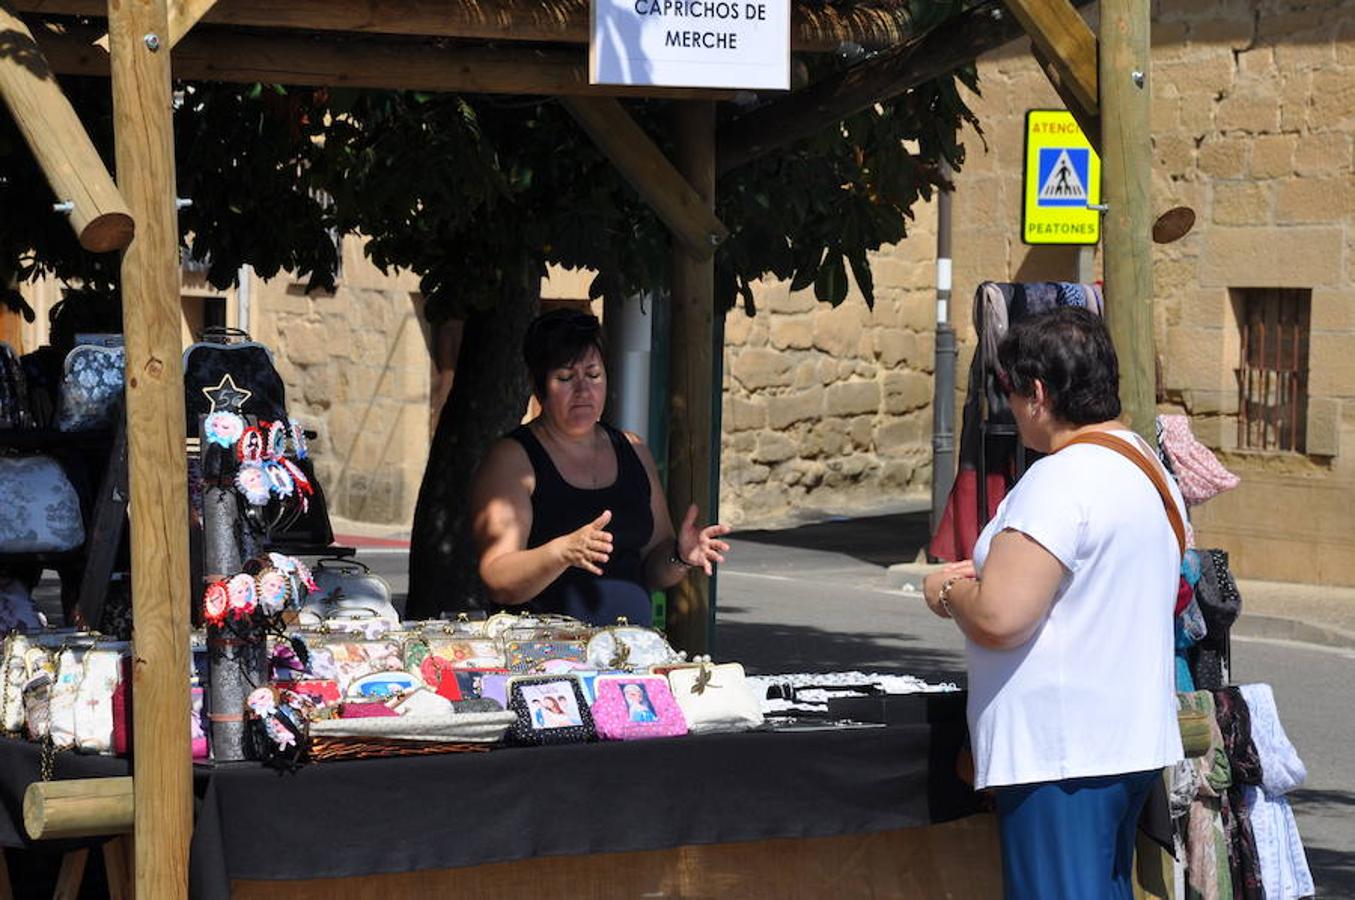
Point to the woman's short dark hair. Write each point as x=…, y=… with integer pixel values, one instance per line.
x=1069, y=350
x=558, y=339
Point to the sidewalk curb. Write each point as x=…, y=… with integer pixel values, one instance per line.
x=908, y=576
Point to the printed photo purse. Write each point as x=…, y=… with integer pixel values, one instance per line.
x=550, y=709
x=715, y=698
x=635, y=707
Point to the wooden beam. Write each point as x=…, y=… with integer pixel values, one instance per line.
x=157, y=465
x=815, y=27
x=690, y=374
x=183, y=15
x=688, y=216
x=1126, y=165
x=1088, y=120
x=78, y=807
x=222, y=55
x=59, y=142
x=947, y=47
x=1064, y=38
x=71, y=874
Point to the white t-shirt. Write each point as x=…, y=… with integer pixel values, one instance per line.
x=1093, y=691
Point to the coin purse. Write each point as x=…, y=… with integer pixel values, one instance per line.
x=630, y=647
x=715, y=698
x=635, y=707
x=550, y=709
x=541, y=657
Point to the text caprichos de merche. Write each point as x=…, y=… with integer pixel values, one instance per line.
x=711, y=10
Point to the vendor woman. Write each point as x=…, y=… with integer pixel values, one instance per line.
x=567, y=512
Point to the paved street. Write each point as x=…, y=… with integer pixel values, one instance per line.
x=817, y=598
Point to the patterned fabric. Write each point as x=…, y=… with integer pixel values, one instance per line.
x=13, y=391
x=1235, y=725
x=41, y=509
x=1198, y=471
x=91, y=389
x=1208, y=876
x=1284, y=866
x=1220, y=604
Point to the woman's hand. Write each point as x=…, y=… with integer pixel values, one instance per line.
x=590, y=547
x=701, y=548
x=932, y=584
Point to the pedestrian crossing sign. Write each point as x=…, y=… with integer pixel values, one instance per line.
x=1062, y=180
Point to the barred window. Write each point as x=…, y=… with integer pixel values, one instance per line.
x=1272, y=380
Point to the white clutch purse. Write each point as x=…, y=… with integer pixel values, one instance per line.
x=715, y=698
x=630, y=647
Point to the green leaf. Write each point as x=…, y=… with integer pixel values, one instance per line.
x=831, y=283
x=865, y=282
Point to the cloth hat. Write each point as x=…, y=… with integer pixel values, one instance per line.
x=1198, y=472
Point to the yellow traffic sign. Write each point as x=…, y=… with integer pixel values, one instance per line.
x=1062, y=180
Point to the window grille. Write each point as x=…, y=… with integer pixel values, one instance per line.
x=1272, y=381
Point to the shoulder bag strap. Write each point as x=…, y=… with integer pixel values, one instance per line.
x=1127, y=450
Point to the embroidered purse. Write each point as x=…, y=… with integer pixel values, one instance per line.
x=14, y=396
x=630, y=647
x=635, y=707
x=550, y=710
x=534, y=657
x=244, y=366
x=715, y=698
x=14, y=674
x=41, y=512
x=91, y=388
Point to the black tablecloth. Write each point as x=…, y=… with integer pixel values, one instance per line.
x=377, y=816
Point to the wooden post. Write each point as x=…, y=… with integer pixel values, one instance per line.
x=691, y=369
x=157, y=468
x=78, y=807
x=1126, y=159
x=59, y=143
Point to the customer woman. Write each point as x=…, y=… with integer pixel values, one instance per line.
x=568, y=514
x=1067, y=610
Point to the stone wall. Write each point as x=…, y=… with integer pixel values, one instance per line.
x=357, y=370
x=826, y=411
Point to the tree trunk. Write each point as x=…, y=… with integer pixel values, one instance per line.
x=488, y=397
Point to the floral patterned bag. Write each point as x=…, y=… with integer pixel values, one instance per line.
x=41, y=509
x=91, y=388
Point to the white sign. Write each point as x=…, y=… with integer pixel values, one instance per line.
x=736, y=44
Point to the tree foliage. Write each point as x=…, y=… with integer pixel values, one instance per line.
x=477, y=194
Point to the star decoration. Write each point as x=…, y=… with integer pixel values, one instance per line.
x=226, y=397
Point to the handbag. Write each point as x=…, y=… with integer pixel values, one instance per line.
x=14, y=406
x=630, y=647
x=530, y=657
x=249, y=367
x=91, y=388
x=635, y=707
x=41, y=509
x=715, y=698
x=345, y=588
x=14, y=674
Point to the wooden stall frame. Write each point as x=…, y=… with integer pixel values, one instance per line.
x=141, y=34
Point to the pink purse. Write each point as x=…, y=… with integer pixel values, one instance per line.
x=636, y=707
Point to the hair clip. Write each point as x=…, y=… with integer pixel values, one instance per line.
x=303, y=484
x=253, y=483
x=215, y=601
x=282, y=561
x=307, y=578
x=243, y=598
x=299, y=447
x=277, y=441
x=279, y=481
x=261, y=702
x=250, y=449
x=223, y=429
x=275, y=589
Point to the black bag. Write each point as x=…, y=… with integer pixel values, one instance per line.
x=230, y=352
x=13, y=391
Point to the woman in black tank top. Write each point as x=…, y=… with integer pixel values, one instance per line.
x=568, y=514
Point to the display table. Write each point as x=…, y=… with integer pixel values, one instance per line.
x=457, y=815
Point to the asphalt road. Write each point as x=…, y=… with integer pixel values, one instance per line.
x=817, y=599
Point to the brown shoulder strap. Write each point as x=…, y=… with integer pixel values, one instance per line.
x=1127, y=450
